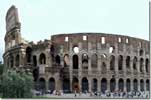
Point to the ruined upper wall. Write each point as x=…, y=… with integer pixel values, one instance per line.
x=95, y=38
x=12, y=19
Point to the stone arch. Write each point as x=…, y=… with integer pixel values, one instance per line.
x=141, y=64
x=141, y=52
x=35, y=74
x=94, y=60
x=42, y=84
x=34, y=60
x=112, y=62
x=17, y=60
x=42, y=58
x=52, y=84
x=135, y=63
x=128, y=62
x=103, y=85
x=66, y=85
x=84, y=61
x=121, y=84
x=128, y=85
x=120, y=62
x=147, y=65
x=11, y=61
x=75, y=61
x=66, y=60
x=28, y=54
x=94, y=85
x=112, y=84
x=75, y=84
x=57, y=59
x=135, y=84
x=85, y=84
x=142, y=85
x=147, y=85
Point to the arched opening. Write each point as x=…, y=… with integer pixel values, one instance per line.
x=28, y=54
x=36, y=74
x=66, y=85
x=85, y=85
x=11, y=61
x=128, y=62
x=94, y=61
x=84, y=61
x=103, y=85
x=147, y=85
x=112, y=85
x=52, y=49
x=94, y=88
x=141, y=64
x=35, y=60
x=76, y=49
x=121, y=84
x=120, y=62
x=147, y=65
x=51, y=84
x=42, y=58
x=112, y=62
x=42, y=84
x=128, y=85
x=142, y=85
x=66, y=60
x=141, y=52
x=135, y=85
x=135, y=63
x=17, y=60
x=57, y=59
x=111, y=49
x=75, y=84
x=75, y=61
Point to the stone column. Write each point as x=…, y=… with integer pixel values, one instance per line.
x=108, y=84
x=116, y=65
x=124, y=65
x=80, y=85
x=89, y=60
x=116, y=85
x=99, y=85
x=80, y=64
x=89, y=66
x=138, y=80
x=131, y=65
x=71, y=83
x=131, y=85
x=145, y=85
x=58, y=84
x=125, y=85
x=90, y=85
x=47, y=85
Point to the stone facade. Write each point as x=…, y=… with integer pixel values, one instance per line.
x=81, y=61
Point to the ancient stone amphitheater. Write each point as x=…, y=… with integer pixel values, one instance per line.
x=79, y=61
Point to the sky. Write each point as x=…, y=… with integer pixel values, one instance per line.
x=42, y=18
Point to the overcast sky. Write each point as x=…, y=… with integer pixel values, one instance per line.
x=42, y=18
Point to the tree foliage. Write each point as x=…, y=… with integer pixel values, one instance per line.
x=16, y=85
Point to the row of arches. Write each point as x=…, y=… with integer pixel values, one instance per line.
x=94, y=62
x=14, y=61
x=94, y=84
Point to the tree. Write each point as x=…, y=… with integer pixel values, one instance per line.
x=16, y=84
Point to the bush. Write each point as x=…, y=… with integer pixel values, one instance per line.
x=16, y=85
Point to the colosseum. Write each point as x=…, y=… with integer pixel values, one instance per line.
x=79, y=61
